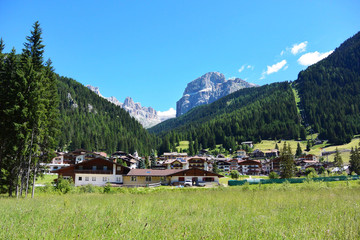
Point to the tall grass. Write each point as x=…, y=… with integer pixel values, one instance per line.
x=312, y=211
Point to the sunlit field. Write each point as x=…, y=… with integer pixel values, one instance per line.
x=299, y=211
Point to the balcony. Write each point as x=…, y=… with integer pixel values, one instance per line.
x=90, y=171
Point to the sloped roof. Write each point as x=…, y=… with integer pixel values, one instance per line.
x=152, y=172
x=85, y=163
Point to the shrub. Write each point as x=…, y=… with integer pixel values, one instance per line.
x=64, y=185
x=87, y=188
x=311, y=172
x=234, y=174
x=273, y=175
x=107, y=188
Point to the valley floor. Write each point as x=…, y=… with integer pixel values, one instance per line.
x=298, y=211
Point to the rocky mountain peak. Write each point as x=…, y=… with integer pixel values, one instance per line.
x=147, y=116
x=206, y=89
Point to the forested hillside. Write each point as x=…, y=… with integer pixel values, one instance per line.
x=249, y=114
x=330, y=93
x=93, y=123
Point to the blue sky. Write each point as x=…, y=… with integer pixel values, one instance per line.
x=150, y=50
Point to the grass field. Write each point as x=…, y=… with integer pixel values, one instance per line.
x=46, y=178
x=316, y=211
x=270, y=144
x=183, y=145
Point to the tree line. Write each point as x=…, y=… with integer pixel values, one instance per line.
x=28, y=114
x=330, y=93
x=266, y=112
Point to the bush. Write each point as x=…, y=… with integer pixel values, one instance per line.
x=64, y=185
x=234, y=174
x=311, y=171
x=87, y=188
x=107, y=188
x=273, y=175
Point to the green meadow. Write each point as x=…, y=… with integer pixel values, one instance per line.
x=275, y=211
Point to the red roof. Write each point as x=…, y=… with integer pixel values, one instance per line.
x=153, y=172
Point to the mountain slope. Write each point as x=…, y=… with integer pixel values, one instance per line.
x=330, y=93
x=93, y=123
x=248, y=114
x=207, y=89
x=147, y=116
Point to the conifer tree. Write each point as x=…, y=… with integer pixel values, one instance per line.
x=338, y=162
x=355, y=160
x=287, y=166
x=298, y=150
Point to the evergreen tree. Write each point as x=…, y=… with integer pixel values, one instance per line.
x=308, y=146
x=276, y=146
x=216, y=169
x=141, y=164
x=298, y=150
x=338, y=162
x=153, y=158
x=355, y=161
x=287, y=165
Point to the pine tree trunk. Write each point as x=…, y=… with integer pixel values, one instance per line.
x=17, y=186
x=21, y=183
x=34, y=178
x=29, y=163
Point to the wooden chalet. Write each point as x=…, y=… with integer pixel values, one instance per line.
x=148, y=177
x=97, y=171
x=250, y=167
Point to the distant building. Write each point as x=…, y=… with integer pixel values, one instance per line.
x=250, y=167
x=97, y=171
x=248, y=143
x=174, y=155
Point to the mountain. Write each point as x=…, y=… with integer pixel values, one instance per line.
x=330, y=93
x=257, y=113
x=147, y=116
x=91, y=122
x=206, y=89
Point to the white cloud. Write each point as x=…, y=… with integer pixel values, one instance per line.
x=171, y=113
x=313, y=57
x=282, y=53
x=242, y=68
x=298, y=48
x=276, y=67
x=250, y=67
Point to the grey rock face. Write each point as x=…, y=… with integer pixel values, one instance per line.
x=147, y=116
x=206, y=89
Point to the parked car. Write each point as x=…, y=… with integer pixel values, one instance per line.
x=188, y=183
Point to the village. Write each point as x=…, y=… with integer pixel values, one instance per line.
x=119, y=169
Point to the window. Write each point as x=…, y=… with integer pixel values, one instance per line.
x=118, y=179
x=208, y=179
x=105, y=168
x=133, y=178
x=66, y=177
x=163, y=179
x=94, y=168
x=86, y=178
x=181, y=179
x=118, y=168
x=148, y=179
x=80, y=178
x=93, y=178
x=105, y=179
